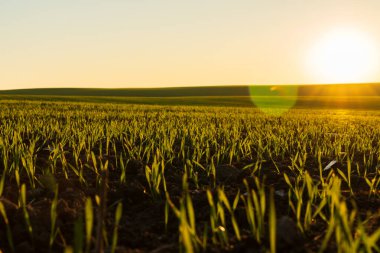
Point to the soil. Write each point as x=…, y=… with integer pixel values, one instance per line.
x=142, y=226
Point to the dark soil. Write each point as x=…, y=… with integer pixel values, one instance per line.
x=142, y=227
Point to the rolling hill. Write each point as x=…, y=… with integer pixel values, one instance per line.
x=206, y=91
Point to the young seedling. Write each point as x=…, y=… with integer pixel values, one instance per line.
x=8, y=227
x=89, y=221
x=53, y=219
x=118, y=213
x=272, y=222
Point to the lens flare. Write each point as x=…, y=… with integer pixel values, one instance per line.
x=274, y=100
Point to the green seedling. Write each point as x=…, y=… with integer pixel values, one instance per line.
x=89, y=222
x=118, y=214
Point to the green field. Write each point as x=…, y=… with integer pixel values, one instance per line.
x=319, y=102
x=194, y=174
x=354, y=96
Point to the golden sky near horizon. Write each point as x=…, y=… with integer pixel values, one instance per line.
x=153, y=43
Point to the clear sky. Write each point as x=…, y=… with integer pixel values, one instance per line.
x=152, y=43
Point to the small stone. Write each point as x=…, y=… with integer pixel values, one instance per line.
x=280, y=193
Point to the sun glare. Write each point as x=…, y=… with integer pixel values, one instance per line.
x=343, y=56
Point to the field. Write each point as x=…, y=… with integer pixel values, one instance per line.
x=209, y=174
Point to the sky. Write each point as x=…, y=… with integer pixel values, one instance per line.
x=155, y=43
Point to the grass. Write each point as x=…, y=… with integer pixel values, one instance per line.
x=367, y=103
x=188, y=177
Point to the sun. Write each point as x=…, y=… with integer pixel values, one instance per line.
x=343, y=56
